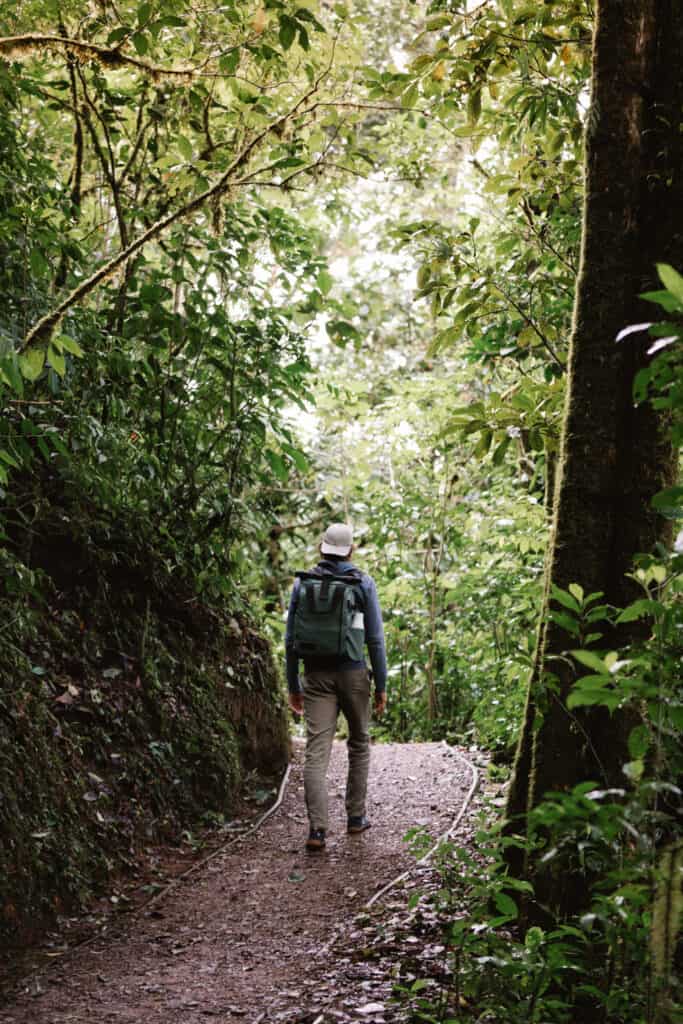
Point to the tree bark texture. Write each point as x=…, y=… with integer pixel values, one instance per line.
x=614, y=457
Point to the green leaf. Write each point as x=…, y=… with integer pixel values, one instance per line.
x=474, y=106
x=590, y=698
x=9, y=459
x=341, y=331
x=297, y=457
x=565, y=598
x=639, y=610
x=671, y=279
x=634, y=770
x=229, y=62
x=66, y=344
x=140, y=43
x=185, y=147
x=565, y=621
x=668, y=499
x=501, y=449
x=277, y=464
x=303, y=14
x=484, y=443
x=590, y=660
x=58, y=444
x=638, y=741
x=410, y=96
x=9, y=367
x=674, y=713
x=437, y=22
x=304, y=41
x=324, y=281
x=665, y=299
x=56, y=361
x=599, y=613
x=576, y=591
x=287, y=33
x=31, y=363
x=505, y=904
x=39, y=264
x=117, y=35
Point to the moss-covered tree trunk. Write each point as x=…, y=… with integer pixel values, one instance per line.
x=614, y=457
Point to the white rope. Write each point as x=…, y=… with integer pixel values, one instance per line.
x=242, y=834
x=442, y=839
x=423, y=860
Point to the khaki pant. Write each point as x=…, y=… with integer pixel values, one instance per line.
x=326, y=693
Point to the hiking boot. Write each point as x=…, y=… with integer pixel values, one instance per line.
x=316, y=839
x=359, y=823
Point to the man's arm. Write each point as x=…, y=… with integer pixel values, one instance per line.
x=374, y=638
x=296, y=699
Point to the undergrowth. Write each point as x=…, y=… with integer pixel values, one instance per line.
x=514, y=958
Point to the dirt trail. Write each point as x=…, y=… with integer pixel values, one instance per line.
x=248, y=936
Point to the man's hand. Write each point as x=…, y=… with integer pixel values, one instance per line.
x=296, y=703
x=380, y=703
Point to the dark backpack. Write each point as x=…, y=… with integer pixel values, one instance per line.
x=328, y=621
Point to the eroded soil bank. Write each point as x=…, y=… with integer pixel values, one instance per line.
x=253, y=934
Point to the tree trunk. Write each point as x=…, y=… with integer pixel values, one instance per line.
x=613, y=457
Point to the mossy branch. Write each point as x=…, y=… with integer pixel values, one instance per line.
x=34, y=43
x=43, y=329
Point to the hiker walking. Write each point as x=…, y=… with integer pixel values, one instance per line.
x=333, y=613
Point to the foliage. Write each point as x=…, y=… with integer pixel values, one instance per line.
x=456, y=554
x=513, y=960
x=661, y=382
x=468, y=374
x=152, y=330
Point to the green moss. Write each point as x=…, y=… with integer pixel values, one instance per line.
x=102, y=750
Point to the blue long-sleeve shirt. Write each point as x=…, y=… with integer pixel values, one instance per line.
x=374, y=632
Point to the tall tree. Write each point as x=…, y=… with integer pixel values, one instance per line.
x=614, y=456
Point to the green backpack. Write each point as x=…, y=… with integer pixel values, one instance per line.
x=329, y=621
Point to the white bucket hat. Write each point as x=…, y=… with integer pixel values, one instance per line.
x=337, y=540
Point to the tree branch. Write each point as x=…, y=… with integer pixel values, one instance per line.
x=42, y=330
x=34, y=43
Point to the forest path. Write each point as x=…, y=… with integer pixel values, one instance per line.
x=249, y=935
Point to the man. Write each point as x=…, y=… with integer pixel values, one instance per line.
x=334, y=682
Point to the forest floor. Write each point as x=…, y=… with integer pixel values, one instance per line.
x=264, y=932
